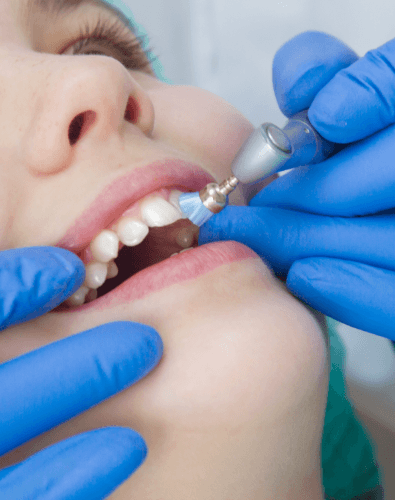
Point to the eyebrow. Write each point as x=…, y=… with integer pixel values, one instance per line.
x=58, y=7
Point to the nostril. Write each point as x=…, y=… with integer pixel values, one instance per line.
x=75, y=128
x=132, y=111
x=80, y=125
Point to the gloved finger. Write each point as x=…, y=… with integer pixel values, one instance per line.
x=357, y=181
x=46, y=387
x=304, y=65
x=89, y=465
x=281, y=237
x=35, y=280
x=359, y=100
x=353, y=293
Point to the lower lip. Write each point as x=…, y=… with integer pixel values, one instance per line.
x=182, y=267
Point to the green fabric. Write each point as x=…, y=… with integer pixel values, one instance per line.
x=348, y=460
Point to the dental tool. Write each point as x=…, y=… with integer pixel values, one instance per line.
x=268, y=150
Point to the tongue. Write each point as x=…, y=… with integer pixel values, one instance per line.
x=157, y=246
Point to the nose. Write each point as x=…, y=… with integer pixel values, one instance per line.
x=84, y=101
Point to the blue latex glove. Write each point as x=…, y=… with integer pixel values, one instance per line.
x=46, y=387
x=319, y=225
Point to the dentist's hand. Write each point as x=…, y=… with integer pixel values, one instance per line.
x=330, y=228
x=46, y=387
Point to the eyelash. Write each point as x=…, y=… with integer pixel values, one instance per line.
x=119, y=41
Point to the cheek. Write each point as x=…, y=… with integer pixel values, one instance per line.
x=231, y=358
x=202, y=123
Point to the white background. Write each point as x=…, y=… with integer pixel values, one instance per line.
x=227, y=47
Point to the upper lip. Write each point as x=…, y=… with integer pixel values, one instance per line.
x=121, y=193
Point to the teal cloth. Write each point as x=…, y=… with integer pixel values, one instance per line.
x=349, y=463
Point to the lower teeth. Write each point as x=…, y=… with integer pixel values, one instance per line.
x=78, y=298
x=185, y=238
x=91, y=296
x=182, y=251
x=112, y=270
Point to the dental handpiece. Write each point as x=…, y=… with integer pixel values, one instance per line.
x=268, y=150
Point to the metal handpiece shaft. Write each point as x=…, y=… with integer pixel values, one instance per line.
x=270, y=149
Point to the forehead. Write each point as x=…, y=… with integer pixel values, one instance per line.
x=58, y=7
x=29, y=9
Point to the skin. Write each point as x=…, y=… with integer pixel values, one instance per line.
x=235, y=408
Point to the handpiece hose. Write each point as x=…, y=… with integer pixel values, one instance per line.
x=269, y=149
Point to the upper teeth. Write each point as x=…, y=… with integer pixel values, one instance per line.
x=157, y=212
x=105, y=246
x=112, y=270
x=154, y=211
x=131, y=231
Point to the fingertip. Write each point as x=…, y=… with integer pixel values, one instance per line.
x=73, y=266
x=36, y=280
x=89, y=465
x=358, y=101
x=304, y=65
x=138, y=448
x=297, y=278
x=299, y=282
x=208, y=233
x=313, y=280
x=145, y=338
x=126, y=444
x=60, y=265
x=124, y=449
x=154, y=346
x=214, y=228
x=332, y=115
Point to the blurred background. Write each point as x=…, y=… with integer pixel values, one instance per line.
x=227, y=47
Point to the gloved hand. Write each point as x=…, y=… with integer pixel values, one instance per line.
x=46, y=387
x=330, y=228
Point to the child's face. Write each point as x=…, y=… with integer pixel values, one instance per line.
x=231, y=331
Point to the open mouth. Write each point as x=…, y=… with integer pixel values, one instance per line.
x=149, y=232
x=160, y=244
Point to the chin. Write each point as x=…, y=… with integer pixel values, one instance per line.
x=243, y=362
